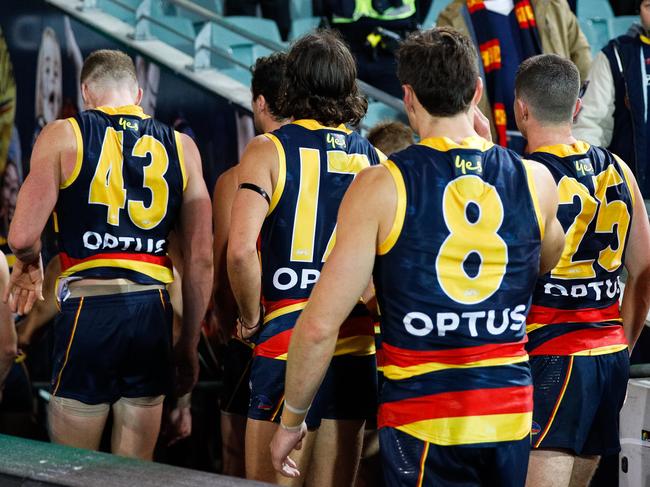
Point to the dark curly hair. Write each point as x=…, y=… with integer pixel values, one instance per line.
x=320, y=81
x=441, y=66
x=268, y=75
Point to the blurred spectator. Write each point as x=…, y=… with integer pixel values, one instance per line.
x=615, y=105
x=277, y=10
x=390, y=137
x=505, y=34
x=372, y=29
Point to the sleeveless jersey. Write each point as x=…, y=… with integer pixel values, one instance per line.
x=454, y=280
x=575, y=307
x=116, y=210
x=316, y=166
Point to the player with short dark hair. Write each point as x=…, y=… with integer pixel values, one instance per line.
x=454, y=231
x=579, y=336
x=390, y=137
x=291, y=182
x=268, y=77
x=118, y=182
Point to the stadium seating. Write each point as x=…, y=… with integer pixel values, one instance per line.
x=594, y=9
x=118, y=10
x=436, y=7
x=300, y=27
x=265, y=28
x=379, y=112
x=301, y=9
x=620, y=25
x=174, y=30
x=597, y=33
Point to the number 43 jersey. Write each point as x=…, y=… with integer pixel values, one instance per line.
x=454, y=281
x=115, y=211
x=575, y=307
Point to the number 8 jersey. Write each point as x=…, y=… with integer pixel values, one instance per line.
x=575, y=307
x=115, y=211
x=454, y=281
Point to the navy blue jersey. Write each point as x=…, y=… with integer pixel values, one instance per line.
x=317, y=164
x=116, y=210
x=454, y=281
x=579, y=297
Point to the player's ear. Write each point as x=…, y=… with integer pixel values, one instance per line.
x=408, y=97
x=523, y=108
x=84, y=95
x=478, y=91
x=261, y=103
x=577, y=108
x=138, y=97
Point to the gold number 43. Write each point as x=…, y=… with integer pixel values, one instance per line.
x=107, y=185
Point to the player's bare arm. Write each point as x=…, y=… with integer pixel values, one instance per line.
x=225, y=306
x=53, y=159
x=257, y=167
x=196, y=240
x=8, y=340
x=365, y=217
x=553, y=241
x=636, y=298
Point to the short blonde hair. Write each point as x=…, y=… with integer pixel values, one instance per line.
x=108, y=65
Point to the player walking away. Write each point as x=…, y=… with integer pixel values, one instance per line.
x=291, y=183
x=268, y=75
x=579, y=336
x=457, y=231
x=119, y=181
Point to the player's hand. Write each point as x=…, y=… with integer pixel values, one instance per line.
x=186, y=362
x=25, y=286
x=482, y=124
x=284, y=442
x=177, y=424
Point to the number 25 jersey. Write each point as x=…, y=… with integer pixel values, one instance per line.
x=115, y=211
x=454, y=281
x=575, y=307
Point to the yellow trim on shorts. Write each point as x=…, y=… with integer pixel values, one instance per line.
x=423, y=462
x=534, y=196
x=80, y=154
x=400, y=211
x=277, y=409
x=282, y=173
x=67, y=352
x=557, y=404
x=181, y=157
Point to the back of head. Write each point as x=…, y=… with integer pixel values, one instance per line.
x=390, y=137
x=268, y=77
x=107, y=68
x=549, y=85
x=321, y=81
x=442, y=68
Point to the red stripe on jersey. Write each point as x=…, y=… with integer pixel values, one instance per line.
x=405, y=358
x=67, y=261
x=479, y=402
x=275, y=346
x=550, y=316
x=271, y=306
x=581, y=340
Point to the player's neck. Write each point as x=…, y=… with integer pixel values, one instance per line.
x=111, y=98
x=456, y=128
x=544, y=136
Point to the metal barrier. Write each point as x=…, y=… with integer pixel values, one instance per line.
x=34, y=463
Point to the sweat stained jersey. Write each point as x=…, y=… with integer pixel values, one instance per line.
x=454, y=280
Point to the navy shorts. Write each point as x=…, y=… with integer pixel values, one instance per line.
x=577, y=400
x=410, y=462
x=108, y=347
x=237, y=361
x=348, y=391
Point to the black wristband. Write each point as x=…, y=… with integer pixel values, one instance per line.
x=257, y=189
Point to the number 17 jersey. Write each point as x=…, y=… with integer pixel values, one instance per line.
x=115, y=211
